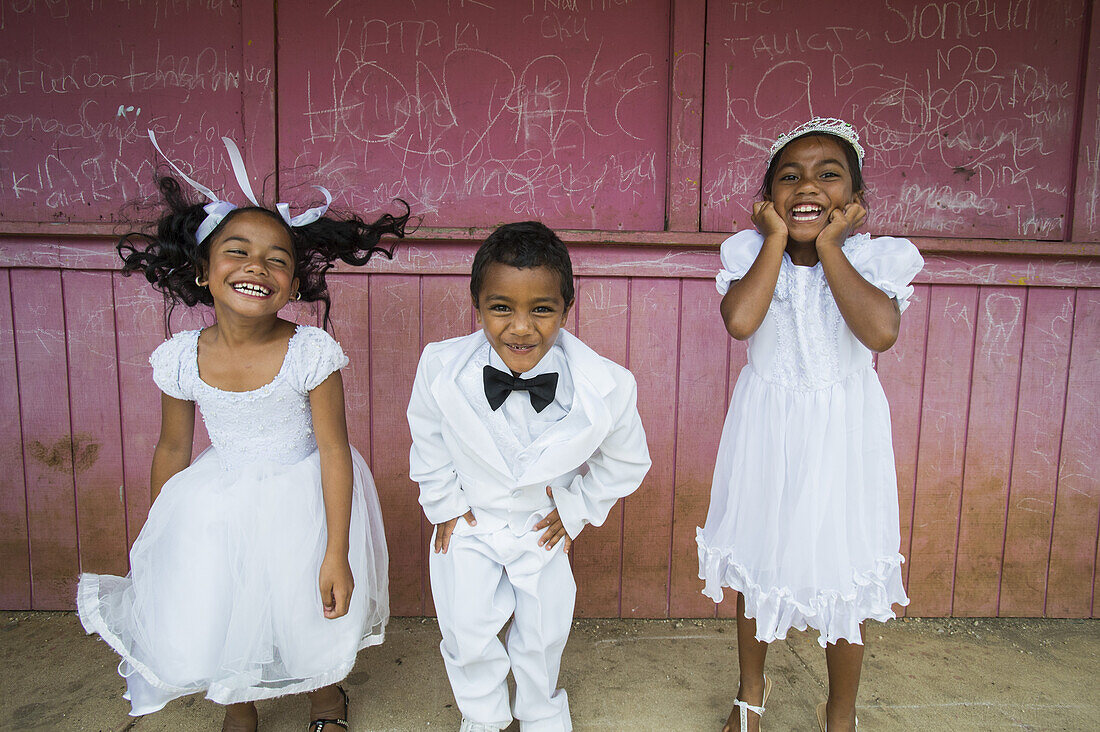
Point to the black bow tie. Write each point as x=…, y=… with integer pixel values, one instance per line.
x=498, y=385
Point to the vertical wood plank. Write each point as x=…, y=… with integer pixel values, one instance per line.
x=941, y=447
x=647, y=513
x=139, y=324
x=901, y=370
x=446, y=312
x=1086, y=200
x=1038, y=422
x=603, y=322
x=988, y=459
x=96, y=425
x=685, y=171
x=38, y=316
x=700, y=412
x=394, y=318
x=15, y=567
x=1073, y=541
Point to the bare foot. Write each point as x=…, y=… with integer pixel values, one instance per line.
x=329, y=702
x=240, y=718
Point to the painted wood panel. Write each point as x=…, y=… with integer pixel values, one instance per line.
x=941, y=448
x=702, y=378
x=394, y=316
x=648, y=512
x=901, y=371
x=994, y=386
x=96, y=442
x=15, y=563
x=1073, y=541
x=42, y=366
x=1048, y=330
x=952, y=430
x=603, y=322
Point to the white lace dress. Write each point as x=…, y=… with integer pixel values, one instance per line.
x=222, y=594
x=803, y=516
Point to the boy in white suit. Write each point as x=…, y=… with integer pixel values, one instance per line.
x=521, y=436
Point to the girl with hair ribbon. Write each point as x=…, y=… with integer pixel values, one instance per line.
x=262, y=567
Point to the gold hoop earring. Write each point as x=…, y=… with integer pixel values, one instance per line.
x=297, y=296
x=199, y=284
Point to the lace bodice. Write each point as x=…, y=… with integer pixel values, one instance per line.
x=803, y=342
x=270, y=424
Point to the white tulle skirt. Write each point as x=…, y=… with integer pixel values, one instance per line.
x=803, y=517
x=222, y=595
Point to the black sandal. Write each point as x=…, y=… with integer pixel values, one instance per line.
x=318, y=725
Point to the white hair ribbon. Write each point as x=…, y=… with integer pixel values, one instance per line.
x=218, y=209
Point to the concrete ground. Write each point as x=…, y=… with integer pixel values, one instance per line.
x=958, y=674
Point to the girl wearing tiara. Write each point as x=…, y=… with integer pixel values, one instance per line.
x=803, y=519
x=262, y=567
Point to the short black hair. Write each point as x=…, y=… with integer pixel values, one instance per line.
x=850, y=155
x=523, y=244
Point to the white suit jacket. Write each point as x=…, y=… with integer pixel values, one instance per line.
x=593, y=456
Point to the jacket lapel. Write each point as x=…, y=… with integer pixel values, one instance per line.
x=460, y=415
x=572, y=441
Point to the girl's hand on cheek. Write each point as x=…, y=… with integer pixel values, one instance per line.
x=842, y=223
x=767, y=220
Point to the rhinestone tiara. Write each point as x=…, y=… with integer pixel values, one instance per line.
x=830, y=125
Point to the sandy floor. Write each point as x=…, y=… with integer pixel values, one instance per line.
x=960, y=674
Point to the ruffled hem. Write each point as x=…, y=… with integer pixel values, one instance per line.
x=88, y=611
x=834, y=614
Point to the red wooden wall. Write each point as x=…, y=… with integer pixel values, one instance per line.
x=993, y=384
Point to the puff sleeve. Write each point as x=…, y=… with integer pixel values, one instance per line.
x=738, y=253
x=889, y=263
x=169, y=362
x=315, y=356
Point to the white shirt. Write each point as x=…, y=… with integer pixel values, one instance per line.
x=515, y=426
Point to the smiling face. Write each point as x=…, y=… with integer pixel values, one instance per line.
x=521, y=312
x=250, y=271
x=811, y=180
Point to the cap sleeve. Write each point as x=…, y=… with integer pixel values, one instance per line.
x=314, y=356
x=738, y=253
x=888, y=263
x=170, y=362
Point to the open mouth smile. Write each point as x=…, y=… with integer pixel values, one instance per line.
x=251, y=289
x=520, y=348
x=804, y=212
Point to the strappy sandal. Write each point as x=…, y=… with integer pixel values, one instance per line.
x=822, y=717
x=318, y=725
x=744, y=707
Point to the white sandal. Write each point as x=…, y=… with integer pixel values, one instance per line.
x=744, y=707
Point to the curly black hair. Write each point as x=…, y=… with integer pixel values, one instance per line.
x=166, y=253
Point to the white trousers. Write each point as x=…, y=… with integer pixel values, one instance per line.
x=484, y=578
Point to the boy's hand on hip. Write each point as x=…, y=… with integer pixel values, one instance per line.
x=555, y=530
x=444, y=530
x=337, y=584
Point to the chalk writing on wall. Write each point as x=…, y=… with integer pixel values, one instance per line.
x=80, y=83
x=477, y=112
x=966, y=108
